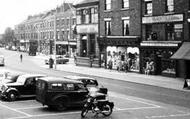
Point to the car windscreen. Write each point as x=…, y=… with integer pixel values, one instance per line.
x=89, y=82
x=14, y=78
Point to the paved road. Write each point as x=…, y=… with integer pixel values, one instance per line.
x=133, y=101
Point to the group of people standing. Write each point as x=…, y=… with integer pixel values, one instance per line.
x=122, y=61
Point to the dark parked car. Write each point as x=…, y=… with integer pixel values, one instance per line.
x=60, y=93
x=25, y=86
x=90, y=83
x=59, y=60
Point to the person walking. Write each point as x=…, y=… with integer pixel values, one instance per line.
x=20, y=57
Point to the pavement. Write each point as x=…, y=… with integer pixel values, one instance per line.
x=154, y=80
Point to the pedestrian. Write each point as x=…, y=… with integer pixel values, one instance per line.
x=20, y=57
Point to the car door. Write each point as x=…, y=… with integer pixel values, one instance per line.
x=30, y=86
x=80, y=93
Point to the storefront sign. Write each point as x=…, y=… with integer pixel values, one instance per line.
x=162, y=19
x=159, y=44
x=92, y=28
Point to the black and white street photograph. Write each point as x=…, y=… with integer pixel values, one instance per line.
x=95, y=59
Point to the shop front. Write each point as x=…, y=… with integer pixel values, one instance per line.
x=87, y=48
x=158, y=53
x=121, y=52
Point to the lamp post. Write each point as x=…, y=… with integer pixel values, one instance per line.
x=55, y=38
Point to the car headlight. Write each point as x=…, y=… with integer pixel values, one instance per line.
x=3, y=88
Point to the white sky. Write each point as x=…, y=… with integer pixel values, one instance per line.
x=13, y=12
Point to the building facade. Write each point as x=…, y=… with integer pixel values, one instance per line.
x=120, y=31
x=87, y=32
x=49, y=28
x=164, y=28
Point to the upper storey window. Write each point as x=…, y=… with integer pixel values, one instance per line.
x=107, y=4
x=148, y=7
x=125, y=3
x=169, y=5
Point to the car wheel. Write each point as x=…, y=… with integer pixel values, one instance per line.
x=12, y=96
x=60, y=107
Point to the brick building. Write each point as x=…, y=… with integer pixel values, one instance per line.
x=45, y=28
x=120, y=31
x=164, y=28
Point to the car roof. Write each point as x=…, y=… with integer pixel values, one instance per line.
x=58, y=79
x=23, y=77
x=79, y=77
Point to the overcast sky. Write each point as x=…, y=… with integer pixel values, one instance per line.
x=13, y=12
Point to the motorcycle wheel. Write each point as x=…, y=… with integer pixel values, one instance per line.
x=84, y=112
x=107, y=110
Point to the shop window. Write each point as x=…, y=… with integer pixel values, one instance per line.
x=148, y=7
x=108, y=28
x=125, y=3
x=169, y=5
x=107, y=4
x=148, y=32
x=125, y=24
x=168, y=66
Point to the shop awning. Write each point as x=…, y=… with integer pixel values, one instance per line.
x=183, y=53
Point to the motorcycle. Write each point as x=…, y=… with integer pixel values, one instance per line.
x=97, y=105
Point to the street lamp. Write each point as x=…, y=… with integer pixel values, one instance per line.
x=55, y=38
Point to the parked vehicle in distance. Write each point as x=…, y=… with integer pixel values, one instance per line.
x=89, y=83
x=25, y=86
x=60, y=93
x=59, y=59
x=2, y=60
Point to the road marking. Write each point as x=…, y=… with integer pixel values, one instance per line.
x=28, y=115
x=113, y=94
x=42, y=115
x=136, y=108
x=165, y=116
x=25, y=108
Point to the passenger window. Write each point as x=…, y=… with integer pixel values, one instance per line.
x=30, y=81
x=56, y=86
x=69, y=86
x=79, y=87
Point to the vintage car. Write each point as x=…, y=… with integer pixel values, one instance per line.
x=59, y=59
x=25, y=86
x=2, y=60
x=60, y=93
x=89, y=83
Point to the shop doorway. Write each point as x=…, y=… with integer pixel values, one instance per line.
x=158, y=70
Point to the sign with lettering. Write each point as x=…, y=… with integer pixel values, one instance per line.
x=159, y=44
x=162, y=19
x=91, y=28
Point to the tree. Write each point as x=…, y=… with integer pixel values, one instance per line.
x=8, y=36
